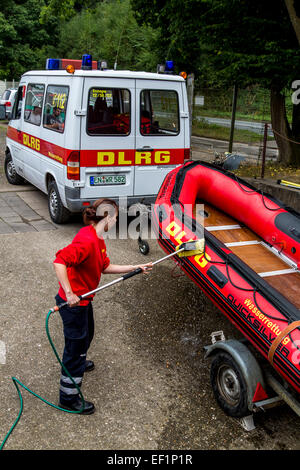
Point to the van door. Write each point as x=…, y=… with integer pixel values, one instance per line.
x=58, y=128
x=108, y=138
x=31, y=126
x=160, y=132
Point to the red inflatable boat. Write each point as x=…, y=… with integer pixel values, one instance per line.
x=251, y=260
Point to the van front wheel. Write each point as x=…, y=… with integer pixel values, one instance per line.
x=58, y=213
x=10, y=171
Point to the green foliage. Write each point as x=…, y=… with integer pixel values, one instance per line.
x=240, y=42
x=32, y=30
x=110, y=32
x=23, y=39
x=63, y=10
x=226, y=41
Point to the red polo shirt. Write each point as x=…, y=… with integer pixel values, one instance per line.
x=85, y=259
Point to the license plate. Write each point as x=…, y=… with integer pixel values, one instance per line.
x=103, y=180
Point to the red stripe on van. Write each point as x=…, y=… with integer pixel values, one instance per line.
x=101, y=158
x=48, y=149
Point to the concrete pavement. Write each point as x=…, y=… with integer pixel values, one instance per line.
x=23, y=212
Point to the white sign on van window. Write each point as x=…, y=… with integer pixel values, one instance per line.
x=199, y=100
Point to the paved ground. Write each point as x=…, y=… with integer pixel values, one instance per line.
x=151, y=383
x=24, y=211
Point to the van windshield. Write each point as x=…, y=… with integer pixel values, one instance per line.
x=109, y=111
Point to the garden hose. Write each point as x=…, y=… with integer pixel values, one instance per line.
x=17, y=383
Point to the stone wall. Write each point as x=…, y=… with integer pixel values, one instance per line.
x=290, y=197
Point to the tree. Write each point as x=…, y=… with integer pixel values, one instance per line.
x=63, y=10
x=293, y=9
x=108, y=35
x=23, y=40
x=236, y=41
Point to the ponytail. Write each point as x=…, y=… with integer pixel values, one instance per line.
x=93, y=213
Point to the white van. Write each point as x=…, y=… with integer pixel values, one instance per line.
x=82, y=133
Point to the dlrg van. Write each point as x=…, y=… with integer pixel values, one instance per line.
x=83, y=132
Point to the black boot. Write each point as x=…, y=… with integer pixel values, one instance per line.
x=89, y=365
x=88, y=409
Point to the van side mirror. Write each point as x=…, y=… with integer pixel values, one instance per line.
x=2, y=111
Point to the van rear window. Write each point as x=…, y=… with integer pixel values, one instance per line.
x=159, y=112
x=55, y=107
x=6, y=95
x=108, y=111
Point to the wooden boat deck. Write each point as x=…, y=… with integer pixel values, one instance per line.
x=250, y=248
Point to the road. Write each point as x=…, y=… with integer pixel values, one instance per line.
x=251, y=126
x=204, y=148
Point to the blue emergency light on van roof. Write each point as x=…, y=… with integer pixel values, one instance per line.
x=86, y=62
x=169, y=68
x=53, y=64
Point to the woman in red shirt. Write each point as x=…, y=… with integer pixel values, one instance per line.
x=78, y=268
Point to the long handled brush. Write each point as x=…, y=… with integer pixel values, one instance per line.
x=190, y=248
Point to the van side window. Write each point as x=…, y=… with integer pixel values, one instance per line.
x=159, y=112
x=17, y=108
x=55, y=107
x=34, y=103
x=108, y=112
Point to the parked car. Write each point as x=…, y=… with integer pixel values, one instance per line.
x=8, y=99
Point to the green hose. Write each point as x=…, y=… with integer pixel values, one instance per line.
x=17, y=382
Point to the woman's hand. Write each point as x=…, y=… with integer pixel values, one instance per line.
x=72, y=299
x=125, y=268
x=145, y=267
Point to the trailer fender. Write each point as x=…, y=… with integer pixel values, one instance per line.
x=246, y=362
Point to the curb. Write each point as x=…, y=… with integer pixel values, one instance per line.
x=16, y=189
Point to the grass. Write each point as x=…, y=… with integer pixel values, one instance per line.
x=273, y=171
x=256, y=116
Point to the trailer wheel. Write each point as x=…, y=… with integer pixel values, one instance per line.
x=58, y=213
x=10, y=171
x=229, y=386
x=143, y=247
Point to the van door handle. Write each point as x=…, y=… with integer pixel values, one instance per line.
x=145, y=149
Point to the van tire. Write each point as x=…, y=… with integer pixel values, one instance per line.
x=58, y=213
x=10, y=171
